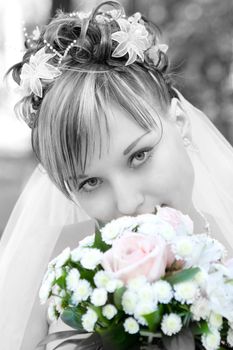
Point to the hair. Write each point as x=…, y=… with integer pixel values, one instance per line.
x=75, y=108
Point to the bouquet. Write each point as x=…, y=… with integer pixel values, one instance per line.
x=145, y=282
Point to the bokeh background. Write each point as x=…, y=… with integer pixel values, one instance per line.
x=200, y=38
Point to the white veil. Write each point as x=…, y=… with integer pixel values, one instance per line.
x=212, y=159
x=25, y=250
x=42, y=211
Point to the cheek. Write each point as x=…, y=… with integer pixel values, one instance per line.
x=171, y=175
x=96, y=206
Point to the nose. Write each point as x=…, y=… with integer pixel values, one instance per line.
x=128, y=197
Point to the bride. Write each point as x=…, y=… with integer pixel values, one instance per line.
x=113, y=137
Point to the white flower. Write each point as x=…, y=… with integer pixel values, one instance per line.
x=206, y=251
x=56, y=290
x=132, y=39
x=76, y=254
x=182, y=247
x=99, y=296
x=87, y=241
x=72, y=279
x=58, y=304
x=136, y=283
x=201, y=278
x=220, y=294
x=58, y=272
x=101, y=279
x=91, y=257
x=131, y=326
x=109, y=311
x=35, y=70
x=116, y=227
x=135, y=18
x=61, y=259
x=154, y=51
x=215, y=321
x=163, y=291
x=171, y=324
x=200, y=309
x=144, y=308
x=181, y=223
x=129, y=302
x=186, y=292
x=146, y=293
x=148, y=218
x=46, y=287
x=158, y=227
x=230, y=337
x=211, y=340
x=89, y=320
x=51, y=312
x=113, y=285
x=82, y=291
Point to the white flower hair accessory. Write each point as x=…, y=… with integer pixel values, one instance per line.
x=133, y=38
x=153, y=52
x=35, y=70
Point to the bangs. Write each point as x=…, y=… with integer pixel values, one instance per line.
x=73, y=124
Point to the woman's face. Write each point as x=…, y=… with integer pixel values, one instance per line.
x=135, y=172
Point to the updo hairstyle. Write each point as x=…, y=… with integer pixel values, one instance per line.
x=74, y=109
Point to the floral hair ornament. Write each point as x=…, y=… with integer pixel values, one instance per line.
x=153, y=52
x=35, y=70
x=133, y=38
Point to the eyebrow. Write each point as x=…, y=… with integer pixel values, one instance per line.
x=133, y=144
x=126, y=151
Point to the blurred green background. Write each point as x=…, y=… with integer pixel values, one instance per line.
x=200, y=38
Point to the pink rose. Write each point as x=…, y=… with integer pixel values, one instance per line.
x=134, y=255
x=180, y=222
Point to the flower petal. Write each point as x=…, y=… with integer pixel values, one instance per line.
x=132, y=57
x=123, y=24
x=41, y=57
x=119, y=36
x=163, y=47
x=47, y=71
x=36, y=86
x=120, y=50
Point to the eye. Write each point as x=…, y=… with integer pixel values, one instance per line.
x=90, y=184
x=140, y=157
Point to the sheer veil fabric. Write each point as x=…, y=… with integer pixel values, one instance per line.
x=42, y=212
x=26, y=247
x=212, y=158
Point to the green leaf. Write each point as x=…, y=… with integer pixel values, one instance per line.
x=73, y=318
x=117, y=297
x=58, y=336
x=104, y=321
x=182, y=276
x=200, y=328
x=61, y=281
x=115, y=338
x=153, y=319
x=99, y=243
x=230, y=281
